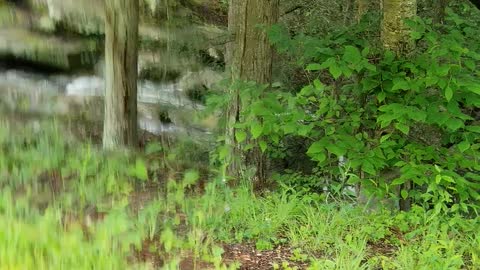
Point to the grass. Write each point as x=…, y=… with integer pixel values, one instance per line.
x=67, y=205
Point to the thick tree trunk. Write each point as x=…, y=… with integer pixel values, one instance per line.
x=249, y=58
x=121, y=56
x=395, y=33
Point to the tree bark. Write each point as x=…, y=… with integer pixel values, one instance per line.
x=249, y=58
x=439, y=7
x=396, y=38
x=395, y=33
x=121, y=57
x=362, y=7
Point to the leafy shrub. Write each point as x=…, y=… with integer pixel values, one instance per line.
x=391, y=121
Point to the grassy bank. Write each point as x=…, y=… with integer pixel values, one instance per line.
x=68, y=205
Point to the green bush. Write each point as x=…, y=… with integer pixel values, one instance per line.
x=382, y=121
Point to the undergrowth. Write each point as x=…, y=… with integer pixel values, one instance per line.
x=66, y=205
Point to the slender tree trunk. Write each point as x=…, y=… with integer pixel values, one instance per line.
x=249, y=58
x=396, y=37
x=121, y=56
x=395, y=33
x=439, y=7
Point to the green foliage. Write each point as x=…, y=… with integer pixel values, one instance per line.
x=392, y=120
x=48, y=228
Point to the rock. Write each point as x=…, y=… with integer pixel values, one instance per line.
x=197, y=84
x=46, y=49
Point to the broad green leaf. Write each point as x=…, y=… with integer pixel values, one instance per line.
x=365, y=51
x=448, y=93
x=316, y=147
x=381, y=96
x=335, y=149
x=240, y=136
x=369, y=84
x=454, y=124
x=463, y=146
x=352, y=55
x=256, y=130
x=442, y=71
x=314, y=67
x=320, y=157
x=400, y=84
x=470, y=64
x=385, y=137
x=318, y=85
x=475, y=129
x=417, y=115
x=335, y=71
x=263, y=145
x=474, y=88
x=368, y=168
x=397, y=182
x=404, y=194
x=403, y=128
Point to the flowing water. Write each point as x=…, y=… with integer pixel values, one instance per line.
x=27, y=91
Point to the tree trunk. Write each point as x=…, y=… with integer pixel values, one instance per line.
x=395, y=37
x=439, y=7
x=362, y=7
x=121, y=57
x=249, y=58
x=395, y=33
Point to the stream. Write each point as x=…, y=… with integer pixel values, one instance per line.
x=162, y=107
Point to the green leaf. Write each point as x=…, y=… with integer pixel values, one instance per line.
x=152, y=148
x=463, y=146
x=316, y=147
x=318, y=85
x=369, y=84
x=240, y=136
x=314, y=67
x=385, y=137
x=190, y=177
x=448, y=93
x=352, y=55
x=263, y=146
x=416, y=35
x=475, y=129
x=400, y=84
x=256, y=130
x=141, y=170
x=336, y=150
x=397, y=182
x=404, y=194
x=368, y=168
x=403, y=128
x=320, y=157
x=365, y=51
x=381, y=96
x=442, y=71
x=474, y=88
x=470, y=64
x=335, y=71
x=454, y=124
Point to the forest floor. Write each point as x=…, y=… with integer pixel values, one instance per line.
x=66, y=204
